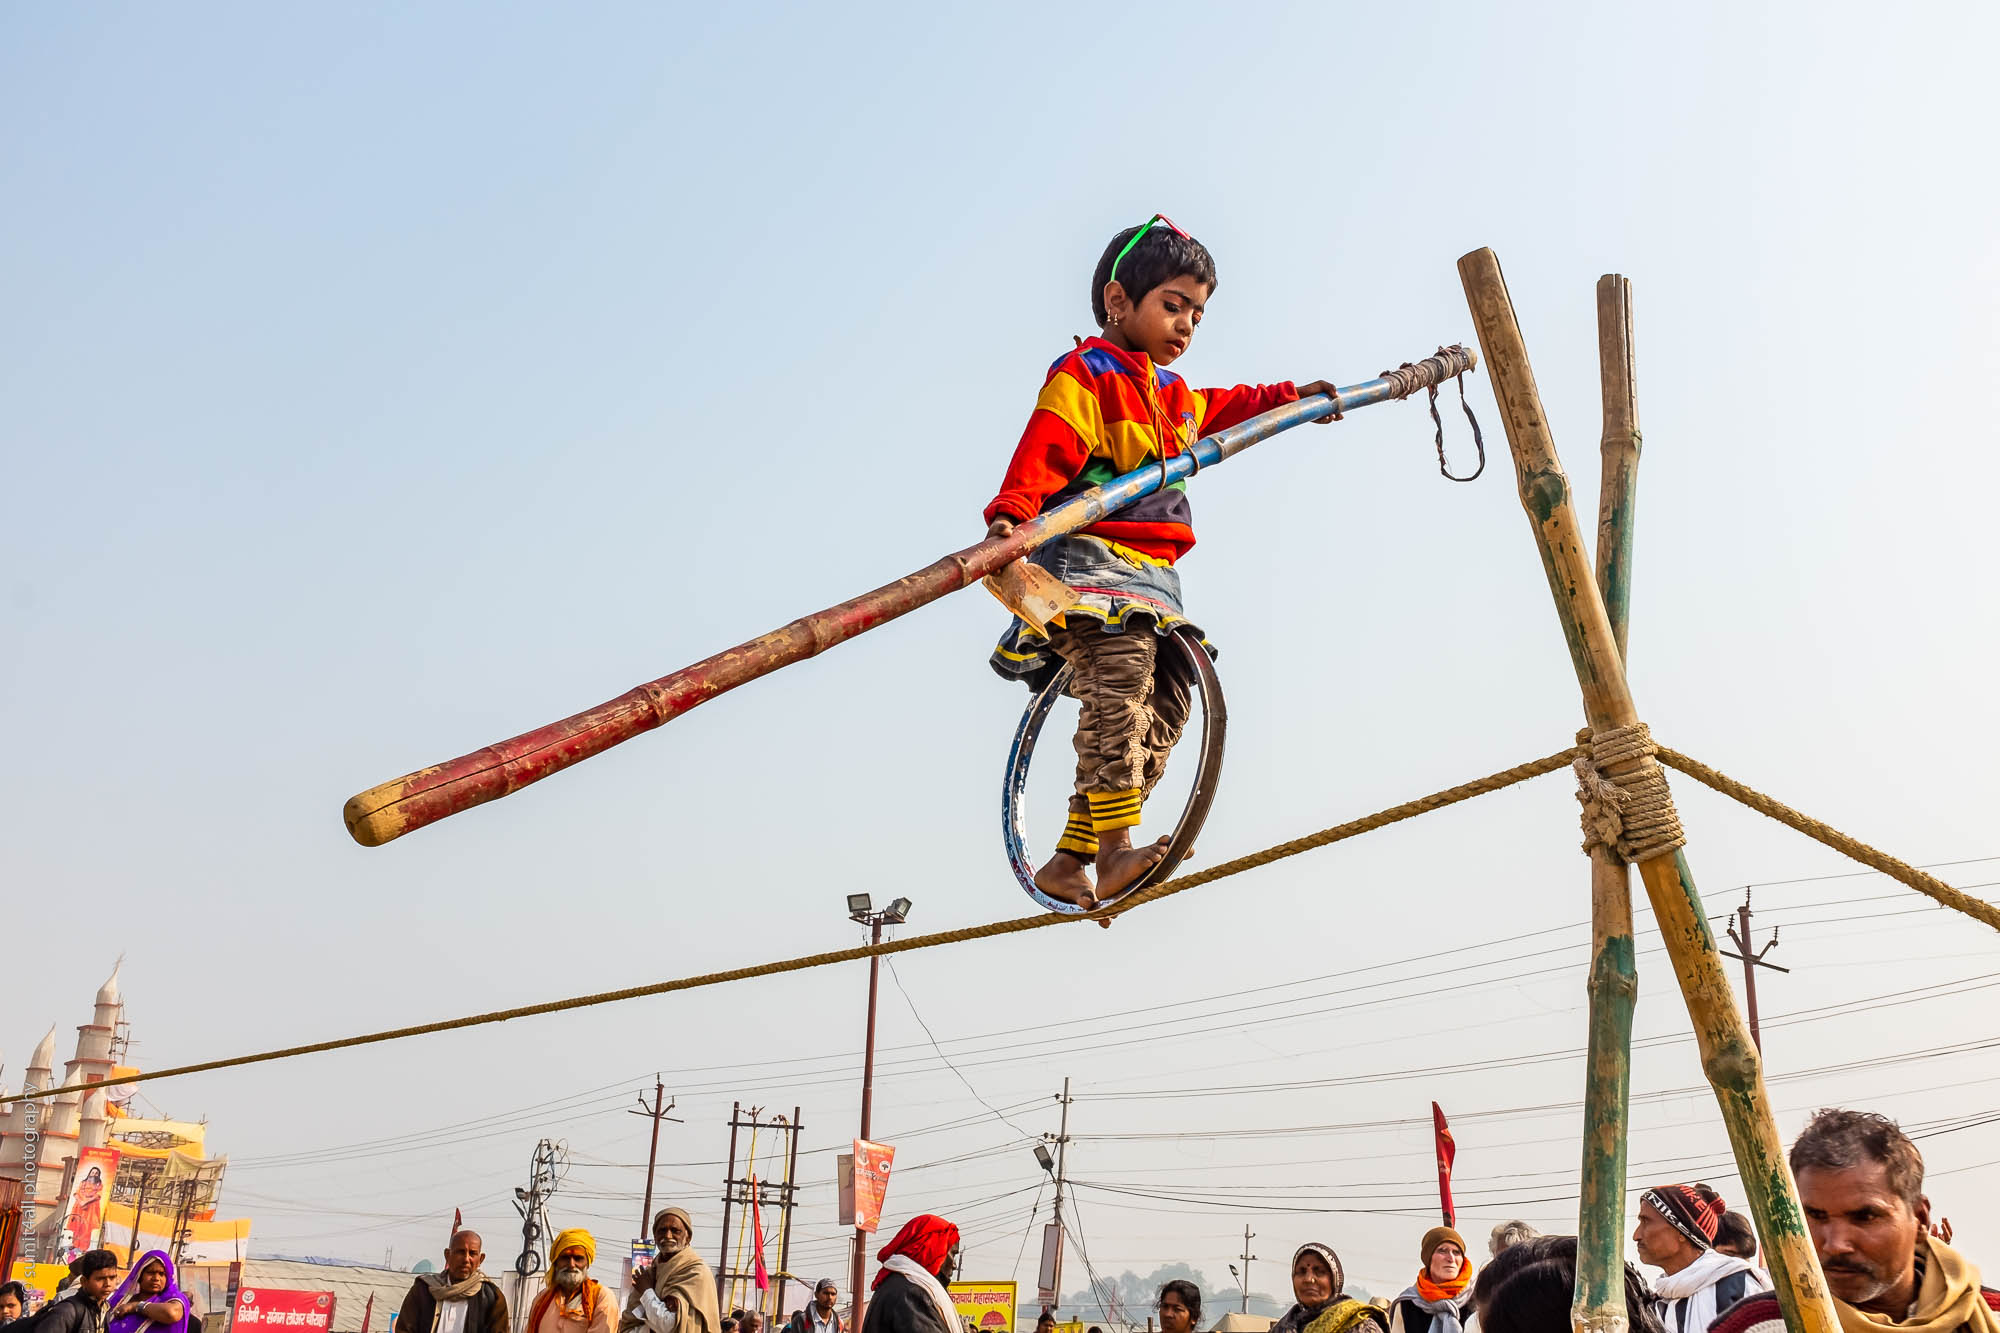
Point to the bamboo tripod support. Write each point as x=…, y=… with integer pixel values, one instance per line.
x=1614, y=980
x=1728, y=1057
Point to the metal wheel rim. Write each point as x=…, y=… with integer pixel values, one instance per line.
x=1214, y=727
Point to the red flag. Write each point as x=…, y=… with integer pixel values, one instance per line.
x=1447, y=1150
x=757, y=1230
x=457, y=1222
x=368, y=1313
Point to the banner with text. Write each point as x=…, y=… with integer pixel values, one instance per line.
x=987, y=1307
x=259, y=1308
x=871, y=1182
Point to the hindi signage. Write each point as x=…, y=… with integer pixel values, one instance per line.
x=260, y=1308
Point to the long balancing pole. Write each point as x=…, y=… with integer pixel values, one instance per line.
x=392, y=809
x=1728, y=1057
x=1599, y=1305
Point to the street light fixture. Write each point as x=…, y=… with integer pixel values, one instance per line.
x=861, y=909
x=1046, y=1158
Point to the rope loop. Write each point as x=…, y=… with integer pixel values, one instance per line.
x=1444, y=468
x=1623, y=791
x=1407, y=378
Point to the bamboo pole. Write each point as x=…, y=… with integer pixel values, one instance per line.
x=1599, y=1305
x=1728, y=1057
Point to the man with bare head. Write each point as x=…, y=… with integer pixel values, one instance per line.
x=461, y=1299
x=1861, y=1187
x=86, y=1308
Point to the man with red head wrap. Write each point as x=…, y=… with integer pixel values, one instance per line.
x=910, y=1295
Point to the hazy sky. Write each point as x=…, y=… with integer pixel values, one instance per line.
x=377, y=384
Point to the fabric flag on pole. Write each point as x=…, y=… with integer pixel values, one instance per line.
x=757, y=1230
x=1447, y=1151
x=457, y=1221
x=369, y=1313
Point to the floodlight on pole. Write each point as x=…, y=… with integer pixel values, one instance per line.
x=1046, y=1158
x=861, y=908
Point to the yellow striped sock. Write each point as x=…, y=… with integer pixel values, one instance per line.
x=1113, y=809
x=1078, y=838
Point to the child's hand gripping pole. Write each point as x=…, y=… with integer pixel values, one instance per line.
x=382, y=814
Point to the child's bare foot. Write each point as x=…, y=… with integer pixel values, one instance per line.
x=1067, y=880
x=1120, y=865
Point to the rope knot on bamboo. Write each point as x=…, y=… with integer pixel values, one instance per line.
x=1433, y=370
x=1623, y=792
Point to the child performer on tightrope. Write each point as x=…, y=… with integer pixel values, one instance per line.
x=1105, y=409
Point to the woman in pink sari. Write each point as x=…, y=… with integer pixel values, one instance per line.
x=149, y=1300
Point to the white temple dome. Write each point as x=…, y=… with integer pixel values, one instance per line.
x=45, y=1051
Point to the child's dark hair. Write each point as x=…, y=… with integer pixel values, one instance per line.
x=1160, y=256
x=1535, y=1291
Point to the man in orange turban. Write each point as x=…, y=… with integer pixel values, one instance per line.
x=571, y=1301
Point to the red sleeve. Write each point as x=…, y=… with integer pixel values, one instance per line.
x=1048, y=458
x=1226, y=407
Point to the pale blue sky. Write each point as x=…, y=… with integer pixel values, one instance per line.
x=378, y=384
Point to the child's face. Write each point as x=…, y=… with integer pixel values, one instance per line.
x=1163, y=324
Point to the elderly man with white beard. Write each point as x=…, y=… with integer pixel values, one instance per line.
x=571, y=1301
x=676, y=1292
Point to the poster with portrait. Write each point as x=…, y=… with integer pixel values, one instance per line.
x=89, y=1193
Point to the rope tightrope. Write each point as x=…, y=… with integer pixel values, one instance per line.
x=1639, y=803
x=1929, y=885
x=1339, y=832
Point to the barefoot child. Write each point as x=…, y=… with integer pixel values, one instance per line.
x=1105, y=409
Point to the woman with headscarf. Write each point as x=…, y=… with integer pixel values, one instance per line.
x=677, y=1289
x=1440, y=1299
x=909, y=1292
x=1322, y=1305
x=149, y=1300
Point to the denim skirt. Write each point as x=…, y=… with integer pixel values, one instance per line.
x=1117, y=593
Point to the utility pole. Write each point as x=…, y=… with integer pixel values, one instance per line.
x=138, y=1216
x=1739, y=935
x=657, y=1112
x=544, y=1174
x=1248, y=1236
x=1049, y=1277
x=861, y=910
x=1062, y=1150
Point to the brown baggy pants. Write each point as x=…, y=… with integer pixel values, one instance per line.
x=1135, y=694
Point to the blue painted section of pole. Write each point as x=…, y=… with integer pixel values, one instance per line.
x=1094, y=506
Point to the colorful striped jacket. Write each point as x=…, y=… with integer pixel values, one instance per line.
x=1104, y=411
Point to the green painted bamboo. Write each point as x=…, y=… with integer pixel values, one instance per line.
x=1728, y=1057
x=1618, y=449
x=1599, y=1305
